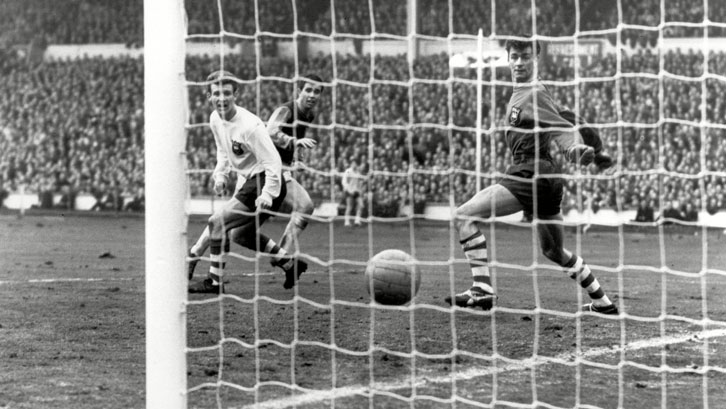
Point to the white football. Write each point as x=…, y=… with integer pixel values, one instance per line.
x=392, y=277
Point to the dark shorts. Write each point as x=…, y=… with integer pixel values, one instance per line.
x=251, y=189
x=549, y=187
x=353, y=195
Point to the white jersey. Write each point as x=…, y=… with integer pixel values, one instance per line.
x=352, y=181
x=244, y=146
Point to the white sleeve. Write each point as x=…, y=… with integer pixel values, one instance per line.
x=268, y=158
x=221, y=169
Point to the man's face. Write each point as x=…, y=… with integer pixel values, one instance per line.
x=309, y=95
x=222, y=97
x=521, y=62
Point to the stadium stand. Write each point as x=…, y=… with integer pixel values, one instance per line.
x=108, y=21
x=76, y=125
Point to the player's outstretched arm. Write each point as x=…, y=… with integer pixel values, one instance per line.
x=572, y=145
x=274, y=127
x=591, y=137
x=581, y=154
x=566, y=137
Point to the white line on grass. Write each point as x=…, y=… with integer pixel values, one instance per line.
x=66, y=280
x=275, y=273
x=89, y=280
x=318, y=396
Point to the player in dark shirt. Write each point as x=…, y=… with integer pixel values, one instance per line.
x=287, y=127
x=531, y=184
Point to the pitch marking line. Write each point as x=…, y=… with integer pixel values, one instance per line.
x=89, y=280
x=66, y=280
x=322, y=395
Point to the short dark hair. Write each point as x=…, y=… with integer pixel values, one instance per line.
x=309, y=78
x=223, y=77
x=522, y=44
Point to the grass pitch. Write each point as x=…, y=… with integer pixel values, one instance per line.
x=72, y=322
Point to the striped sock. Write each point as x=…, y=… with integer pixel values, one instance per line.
x=278, y=254
x=578, y=270
x=216, y=267
x=475, y=250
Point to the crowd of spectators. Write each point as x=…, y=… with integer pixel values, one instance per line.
x=72, y=125
x=110, y=21
x=75, y=127
x=71, y=21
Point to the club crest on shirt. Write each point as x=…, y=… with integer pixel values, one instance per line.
x=514, y=115
x=237, y=148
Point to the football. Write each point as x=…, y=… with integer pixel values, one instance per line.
x=392, y=277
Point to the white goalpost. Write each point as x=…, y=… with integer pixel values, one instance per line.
x=166, y=218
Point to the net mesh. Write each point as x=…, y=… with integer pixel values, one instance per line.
x=423, y=113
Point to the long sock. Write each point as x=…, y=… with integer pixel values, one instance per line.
x=580, y=271
x=359, y=214
x=247, y=237
x=216, y=267
x=289, y=239
x=279, y=255
x=475, y=250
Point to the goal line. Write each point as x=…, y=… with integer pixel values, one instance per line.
x=308, y=397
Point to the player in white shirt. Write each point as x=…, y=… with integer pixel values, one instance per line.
x=353, y=190
x=243, y=146
x=287, y=127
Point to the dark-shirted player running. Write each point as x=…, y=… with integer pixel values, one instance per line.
x=288, y=127
x=516, y=190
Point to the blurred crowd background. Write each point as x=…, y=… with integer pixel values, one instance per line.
x=75, y=127
x=111, y=21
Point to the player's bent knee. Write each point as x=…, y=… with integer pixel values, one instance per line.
x=286, y=207
x=214, y=222
x=238, y=236
x=299, y=220
x=300, y=202
x=462, y=221
x=307, y=207
x=552, y=253
x=215, y=232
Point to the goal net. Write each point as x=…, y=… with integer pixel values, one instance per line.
x=416, y=93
